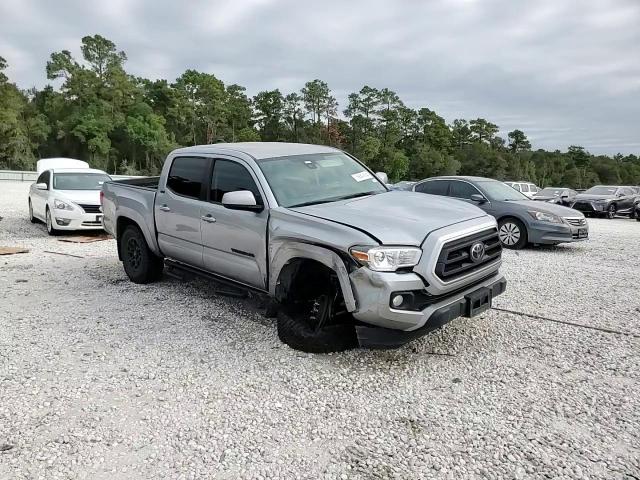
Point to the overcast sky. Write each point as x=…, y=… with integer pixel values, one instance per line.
x=564, y=71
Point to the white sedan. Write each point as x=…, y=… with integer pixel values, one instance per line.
x=67, y=199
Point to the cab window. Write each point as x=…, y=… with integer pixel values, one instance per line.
x=230, y=176
x=187, y=175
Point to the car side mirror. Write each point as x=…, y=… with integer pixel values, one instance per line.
x=619, y=195
x=41, y=186
x=241, y=200
x=383, y=177
x=564, y=197
x=476, y=197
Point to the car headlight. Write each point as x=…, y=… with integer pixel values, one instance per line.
x=60, y=205
x=386, y=259
x=545, y=217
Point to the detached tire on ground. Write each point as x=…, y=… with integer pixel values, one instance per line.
x=140, y=263
x=313, y=317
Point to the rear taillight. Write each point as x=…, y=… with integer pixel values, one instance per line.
x=101, y=196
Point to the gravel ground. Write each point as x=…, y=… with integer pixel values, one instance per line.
x=102, y=378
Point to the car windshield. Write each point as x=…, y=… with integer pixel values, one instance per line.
x=602, y=190
x=300, y=180
x=500, y=192
x=550, y=192
x=79, y=181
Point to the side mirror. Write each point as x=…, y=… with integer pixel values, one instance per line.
x=42, y=186
x=241, y=200
x=564, y=197
x=476, y=197
x=620, y=194
x=383, y=177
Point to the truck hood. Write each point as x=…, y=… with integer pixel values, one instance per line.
x=86, y=197
x=396, y=217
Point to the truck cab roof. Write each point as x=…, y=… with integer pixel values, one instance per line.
x=258, y=150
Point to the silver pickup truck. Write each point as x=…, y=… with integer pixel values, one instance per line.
x=345, y=261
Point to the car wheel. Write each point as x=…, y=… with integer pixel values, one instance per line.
x=611, y=211
x=311, y=322
x=512, y=233
x=632, y=213
x=51, y=229
x=31, y=217
x=140, y=264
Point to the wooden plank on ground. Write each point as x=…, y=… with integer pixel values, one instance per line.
x=85, y=238
x=12, y=250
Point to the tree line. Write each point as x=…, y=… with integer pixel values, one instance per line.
x=126, y=125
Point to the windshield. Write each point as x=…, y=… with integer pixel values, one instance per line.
x=550, y=192
x=300, y=180
x=500, y=192
x=602, y=190
x=79, y=181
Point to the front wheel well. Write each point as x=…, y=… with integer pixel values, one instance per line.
x=300, y=276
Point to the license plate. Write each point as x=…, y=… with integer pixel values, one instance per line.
x=583, y=233
x=478, y=301
x=98, y=218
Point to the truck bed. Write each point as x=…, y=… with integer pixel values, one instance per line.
x=143, y=182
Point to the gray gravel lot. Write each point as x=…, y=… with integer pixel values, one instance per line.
x=102, y=378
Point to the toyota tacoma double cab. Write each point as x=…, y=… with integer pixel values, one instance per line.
x=345, y=261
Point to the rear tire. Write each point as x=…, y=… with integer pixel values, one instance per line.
x=512, y=233
x=140, y=264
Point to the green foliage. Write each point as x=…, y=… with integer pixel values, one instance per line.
x=127, y=125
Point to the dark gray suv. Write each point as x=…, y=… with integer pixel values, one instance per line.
x=520, y=220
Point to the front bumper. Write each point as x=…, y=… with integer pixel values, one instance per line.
x=551, y=233
x=388, y=327
x=76, y=220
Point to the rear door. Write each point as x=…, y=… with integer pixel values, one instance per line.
x=178, y=209
x=234, y=240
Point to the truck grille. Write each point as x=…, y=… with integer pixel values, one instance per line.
x=576, y=222
x=456, y=257
x=91, y=208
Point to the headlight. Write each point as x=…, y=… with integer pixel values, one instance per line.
x=386, y=259
x=545, y=217
x=60, y=205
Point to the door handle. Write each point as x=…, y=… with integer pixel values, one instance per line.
x=208, y=218
x=164, y=208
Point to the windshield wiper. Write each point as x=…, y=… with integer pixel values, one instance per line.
x=334, y=199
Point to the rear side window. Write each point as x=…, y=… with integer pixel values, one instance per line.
x=187, y=175
x=524, y=187
x=433, y=187
x=229, y=176
x=462, y=190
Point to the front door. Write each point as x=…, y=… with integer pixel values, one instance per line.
x=178, y=209
x=234, y=241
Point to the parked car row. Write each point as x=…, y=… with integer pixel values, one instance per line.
x=520, y=220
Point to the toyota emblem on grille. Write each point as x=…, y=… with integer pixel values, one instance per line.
x=477, y=252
